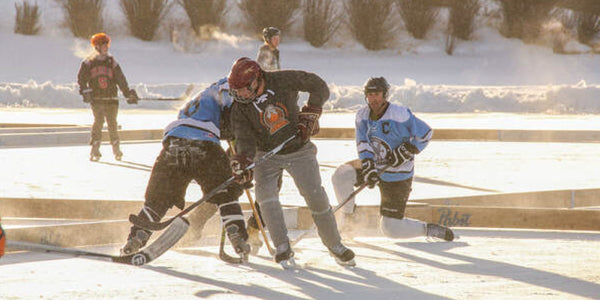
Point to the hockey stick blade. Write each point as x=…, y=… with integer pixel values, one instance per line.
x=154, y=226
x=163, y=243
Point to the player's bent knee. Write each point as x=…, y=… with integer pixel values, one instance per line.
x=402, y=228
x=344, y=174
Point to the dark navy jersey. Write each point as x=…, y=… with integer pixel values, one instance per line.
x=101, y=77
x=272, y=118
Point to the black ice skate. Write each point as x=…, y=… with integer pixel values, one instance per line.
x=343, y=256
x=254, y=240
x=285, y=257
x=117, y=150
x=95, y=153
x=238, y=242
x=135, y=243
x=439, y=232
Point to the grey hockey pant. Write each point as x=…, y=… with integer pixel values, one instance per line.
x=302, y=165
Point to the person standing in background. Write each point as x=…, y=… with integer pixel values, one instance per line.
x=98, y=78
x=268, y=53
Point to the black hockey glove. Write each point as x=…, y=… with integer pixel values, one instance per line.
x=132, y=97
x=87, y=96
x=239, y=163
x=2, y=241
x=405, y=152
x=308, y=121
x=368, y=174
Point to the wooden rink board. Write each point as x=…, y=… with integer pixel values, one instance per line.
x=31, y=137
x=97, y=222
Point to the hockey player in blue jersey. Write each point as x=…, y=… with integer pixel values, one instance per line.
x=192, y=151
x=388, y=137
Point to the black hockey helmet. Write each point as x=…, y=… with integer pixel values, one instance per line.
x=377, y=84
x=269, y=32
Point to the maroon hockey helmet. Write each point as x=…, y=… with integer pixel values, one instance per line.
x=243, y=74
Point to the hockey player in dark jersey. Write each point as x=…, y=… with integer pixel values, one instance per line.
x=192, y=151
x=265, y=113
x=98, y=78
x=268, y=53
x=387, y=135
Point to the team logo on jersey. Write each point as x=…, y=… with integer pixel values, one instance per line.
x=274, y=117
x=381, y=149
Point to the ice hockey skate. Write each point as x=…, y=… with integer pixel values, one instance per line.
x=285, y=257
x=439, y=232
x=343, y=256
x=117, y=150
x=95, y=154
x=135, y=243
x=241, y=246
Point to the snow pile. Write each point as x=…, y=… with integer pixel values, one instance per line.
x=579, y=98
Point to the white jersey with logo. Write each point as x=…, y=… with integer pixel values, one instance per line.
x=376, y=138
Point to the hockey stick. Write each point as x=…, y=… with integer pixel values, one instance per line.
x=183, y=96
x=154, y=226
x=352, y=195
x=163, y=243
x=257, y=217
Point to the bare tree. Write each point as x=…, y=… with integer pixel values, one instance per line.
x=144, y=16
x=523, y=19
x=84, y=17
x=418, y=16
x=265, y=13
x=204, y=13
x=462, y=18
x=320, y=21
x=371, y=22
x=27, y=18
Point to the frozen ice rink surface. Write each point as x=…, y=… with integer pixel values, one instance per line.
x=482, y=264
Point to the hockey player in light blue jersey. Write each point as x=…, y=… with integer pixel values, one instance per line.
x=388, y=137
x=192, y=151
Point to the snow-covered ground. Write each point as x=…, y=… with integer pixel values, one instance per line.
x=488, y=74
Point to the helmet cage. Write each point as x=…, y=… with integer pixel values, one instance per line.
x=244, y=100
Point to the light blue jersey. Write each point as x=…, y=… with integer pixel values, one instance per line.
x=375, y=139
x=200, y=118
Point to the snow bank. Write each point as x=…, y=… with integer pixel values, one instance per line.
x=580, y=98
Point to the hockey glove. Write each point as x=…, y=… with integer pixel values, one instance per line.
x=132, y=97
x=2, y=241
x=87, y=96
x=308, y=121
x=368, y=174
x=405, y=152
x=239, y=163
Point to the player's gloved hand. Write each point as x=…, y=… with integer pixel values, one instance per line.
x=368, y=174
x=2, y=241
x=132, y=97
x=308, y=121
x=239, y=163
x=87, y=96
x=405, y=152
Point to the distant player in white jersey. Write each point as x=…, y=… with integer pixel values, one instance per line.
x=388, y=137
